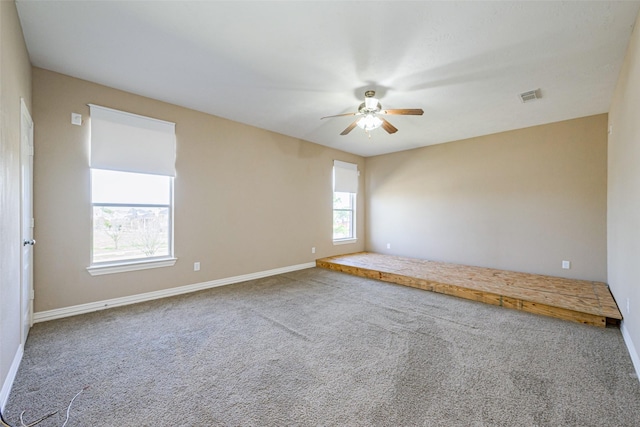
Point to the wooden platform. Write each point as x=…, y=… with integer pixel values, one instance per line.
x=576, y=300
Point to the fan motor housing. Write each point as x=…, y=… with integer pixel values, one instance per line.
x=364, y=110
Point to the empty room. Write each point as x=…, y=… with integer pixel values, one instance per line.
x=319, y=213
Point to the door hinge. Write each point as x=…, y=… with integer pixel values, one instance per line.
x=31, y=151
x=32, y=294
x=33, y=222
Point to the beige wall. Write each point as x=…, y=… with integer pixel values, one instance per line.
x=15, y=78
x=522, y=200
x=623, y=222
x=246, y=200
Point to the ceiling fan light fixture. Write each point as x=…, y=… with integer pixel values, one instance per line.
x=368, y=111
x=369, y=122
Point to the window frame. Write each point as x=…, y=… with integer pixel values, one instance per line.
x=352, y=210
x=133, y=264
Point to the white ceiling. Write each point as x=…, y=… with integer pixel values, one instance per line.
x=282, y=65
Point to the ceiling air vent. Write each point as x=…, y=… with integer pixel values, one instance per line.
x=529, y=96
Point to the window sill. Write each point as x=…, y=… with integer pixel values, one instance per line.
x=98, y=270
x=344, y=241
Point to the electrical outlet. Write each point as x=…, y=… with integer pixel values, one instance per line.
x=313, y=250
x=388, y=245
x=196, y=266
x=566, y=265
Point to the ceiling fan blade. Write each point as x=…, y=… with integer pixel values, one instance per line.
x=339, y=115
x=350, y=127
x=388, y=126
x=404, y=111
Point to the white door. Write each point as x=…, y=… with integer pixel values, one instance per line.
x=26, y=160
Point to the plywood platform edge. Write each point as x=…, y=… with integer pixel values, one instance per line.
x=596, y=310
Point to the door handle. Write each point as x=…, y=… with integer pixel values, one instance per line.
x=28, y=242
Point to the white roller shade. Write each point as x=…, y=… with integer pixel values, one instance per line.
x=131, y=143
x=345, y=177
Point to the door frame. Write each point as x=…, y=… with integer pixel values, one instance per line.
x=26, y=283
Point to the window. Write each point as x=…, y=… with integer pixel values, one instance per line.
x=132, y=171
x=345, y=187
x=343, y=216
x=131, y=216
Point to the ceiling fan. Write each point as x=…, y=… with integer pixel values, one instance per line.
x=370, y=111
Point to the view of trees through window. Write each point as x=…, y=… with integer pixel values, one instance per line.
x=129, y=232
x=343, y=215
x=131, y=216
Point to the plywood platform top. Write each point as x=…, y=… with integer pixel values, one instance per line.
x=581, y=296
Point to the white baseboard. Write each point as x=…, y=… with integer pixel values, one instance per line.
x=632, y=348
x=11, y=376
x=43, y=316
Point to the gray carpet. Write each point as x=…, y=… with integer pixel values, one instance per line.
x=320, y=348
